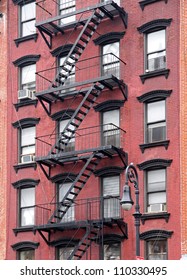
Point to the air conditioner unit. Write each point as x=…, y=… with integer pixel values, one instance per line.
x=26, y=94
x=157, y=133
x=27, y=158
x=159, y=207
x=156, y=63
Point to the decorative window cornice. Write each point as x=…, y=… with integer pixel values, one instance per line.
x=62, y=50
x=111, y=238
x=154, y=163
x=109, y=105
x=63, y=115
x=109, y=171
x=154, y=24
x=156, y=233
x=64, y=242
x=22, y=2
x=109, y=38
x=164, y=143
x=63, y=178
x=26, y=122
x=24, y=245
x=26, y=60
x=154, y=95
x=25, y=183
x=147, y=2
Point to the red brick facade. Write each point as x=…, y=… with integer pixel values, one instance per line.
x=140, y=85
x=3, y=125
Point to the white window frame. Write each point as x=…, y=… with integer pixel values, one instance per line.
x=155, y=51
x=27, y=148
x=110, y=127
x=27, y=23
x=27, y=77
x=27, y=208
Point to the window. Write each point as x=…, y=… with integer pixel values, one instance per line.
x=67, y=6
x=27, y=206
x=27, y=144
x=156, y=122
x=116, y=1
x=27, y=254
x=71, y=79
x=62, y=190
x=156, y=190
x=110, y=189
x=110, y=59
x=112, y=251
x=28, y=19
x=155, y=50
x=156, y=249
x=71, y=143
x=110, y=126
x=27, y=82
x=64, y=253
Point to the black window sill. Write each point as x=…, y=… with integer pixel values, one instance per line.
x=22, y=229
x=156, y=215
x=164, y=143
x=26, y=38
x=147, y=2
x=152, y=74
x=25, y=165
x=25, y=103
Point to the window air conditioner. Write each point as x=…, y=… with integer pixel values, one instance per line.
x=156, y=133
x=26, y=94
x=27, y=158
x=156, y=63
x=160, y=207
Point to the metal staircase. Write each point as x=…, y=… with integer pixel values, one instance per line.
x=89, y=28
x=92, y=234
x=80, y=113
x=78, y=184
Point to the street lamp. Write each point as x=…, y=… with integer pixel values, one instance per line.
x=126, y=202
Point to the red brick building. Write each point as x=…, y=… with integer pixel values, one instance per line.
x=3, y=125
x=105, y=93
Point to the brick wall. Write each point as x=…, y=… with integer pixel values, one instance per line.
x=183, y=116
x=3, y=125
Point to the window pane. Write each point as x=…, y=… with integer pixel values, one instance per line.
x=27, y=197
x=157, y=249
x=28, y=28
x=157, y=198
x=156, y=180
x=64, y=253
x=112, y=251
x=111, y=186
x=26, y=255
x=28, y=11
x=28, y=136
x=27, y=216
x=156, y=132
x=111, y=117
x=28, y=74
x=156, y=41
x=110, y=192
x=156, y=111
x=63, y=189
x=30, y=150
x=110, y=48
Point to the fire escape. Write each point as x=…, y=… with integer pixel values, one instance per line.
x=75, y=145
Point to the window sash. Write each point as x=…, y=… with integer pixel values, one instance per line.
x=28, y=19
x=28, y=78
x=112, y=251
x=157, y=249
x=27, y=206
x=64, y=252
x=62, y=190
x=110, y=59
x=28, y=254
x=67, y=6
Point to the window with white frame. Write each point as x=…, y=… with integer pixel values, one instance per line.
x=112, y=251
x=156, y=121
x=27, y=206
x=64, y=252
x=110, y=128
x=156, y=249
x=27, y=82
x=62, y=191
x=110, y=59
x=27, y=144
x=66, y=7
x=156, y=190
x=71, y=79
x=70, y=143
x=110, y=189
x=155, y=50
x=27, y=19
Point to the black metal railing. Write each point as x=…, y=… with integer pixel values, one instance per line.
x=82, y=139
x=92, y=209
x=85, y=70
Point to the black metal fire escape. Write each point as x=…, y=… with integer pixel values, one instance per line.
x=89, y=157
